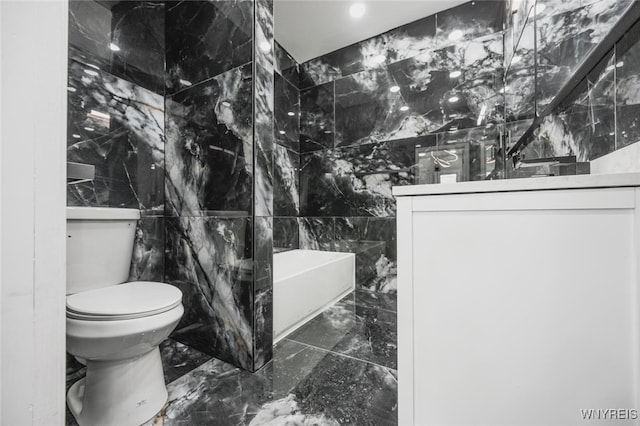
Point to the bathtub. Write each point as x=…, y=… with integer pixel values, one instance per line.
x=306, y=282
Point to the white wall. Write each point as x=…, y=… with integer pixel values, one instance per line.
x=33, y=55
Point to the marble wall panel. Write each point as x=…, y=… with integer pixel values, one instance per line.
x=209, y=152
x=210, y=260
x=286, y=66
x=206, y=39
x=628, y=88
x=147, y=260
x=285, y=233
x=565, y=39
x=125, y=39
x=317, y=119
x=357, y=181
x=473, y=19
x=263, y=146
x=118, y=127
x=286, y=165
x=287, y=113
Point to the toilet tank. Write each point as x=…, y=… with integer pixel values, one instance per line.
x=99, y=246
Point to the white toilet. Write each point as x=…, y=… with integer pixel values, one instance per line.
x=114, y=328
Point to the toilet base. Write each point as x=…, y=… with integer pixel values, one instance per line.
x=127, y=392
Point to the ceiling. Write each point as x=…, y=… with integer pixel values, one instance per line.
x=311, y=28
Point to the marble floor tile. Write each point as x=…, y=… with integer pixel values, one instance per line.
x=348, y=328
x=341, y=374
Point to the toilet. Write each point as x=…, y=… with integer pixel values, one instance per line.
x=113, y=326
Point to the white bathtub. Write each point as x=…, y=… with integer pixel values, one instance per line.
x=305, y=282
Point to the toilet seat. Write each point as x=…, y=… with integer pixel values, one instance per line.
x=131, y=300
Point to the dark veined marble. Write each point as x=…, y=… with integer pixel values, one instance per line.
x=350, y=329
x=357, y=181
x=565, y=39
x=195, y=50
x=209, y=150
x=263, y=124
x=147, y=259
x=125, y=39
x=303, y=385
x=474, y=19
x=285, y=233
x=286, y=166
x=471, y=20
x=287, y=113
x=179, y=359
x=118, y=127
x=584, y=124
x=286, y=66
x=317, y=120
x=628, y=88
x=210, y=260
x=455, y=87
x=317, y=233
x=263, y=34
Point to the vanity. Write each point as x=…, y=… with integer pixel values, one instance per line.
x=518, y=301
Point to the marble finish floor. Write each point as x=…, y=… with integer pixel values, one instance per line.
x=339, y=368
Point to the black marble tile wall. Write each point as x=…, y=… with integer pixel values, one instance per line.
x=210, y=259
x=209, y=146
x=584, y=125
x=628, y=88
x=285, y=233
x=206, y=39
x=564, y=38
x=147, y=260
x=465, y=22
x=286, y=66
x=317, y=118
x=118, y=127
x=286, y=195
x=263, y=189
x=357, y=181
x=287, y=113
x=125, y=39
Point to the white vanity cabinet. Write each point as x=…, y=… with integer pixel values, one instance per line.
x=518, y=301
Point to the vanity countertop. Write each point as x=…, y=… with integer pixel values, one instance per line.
x=528, y=184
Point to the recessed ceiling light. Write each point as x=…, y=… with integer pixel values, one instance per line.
x=455, y=74
x=404, y=108
x=89, y=129
x=185, y=82
x=394, y=89
x=418, y=146
x=378, y=59
x=291, y=113
x=456, y=35
x=226, y=103
x=91, y=72
x=454, y=99
x=76, y=136
x=265, y=46
x=114, y=47
x=282, y=132
x=422, y=154
x=357, y=10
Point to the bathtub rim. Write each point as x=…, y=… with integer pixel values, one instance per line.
x=317, y=265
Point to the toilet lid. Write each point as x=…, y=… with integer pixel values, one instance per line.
x=124, y=301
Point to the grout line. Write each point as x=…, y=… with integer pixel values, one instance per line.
x=337, y=353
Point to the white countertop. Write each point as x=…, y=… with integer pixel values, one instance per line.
x=529, y=184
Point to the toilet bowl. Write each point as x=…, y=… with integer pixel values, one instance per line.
x=114, y=328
